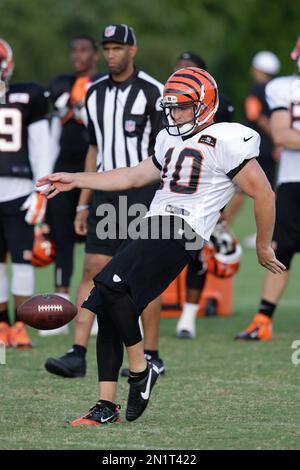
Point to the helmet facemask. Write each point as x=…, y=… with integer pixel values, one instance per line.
x=185, y=128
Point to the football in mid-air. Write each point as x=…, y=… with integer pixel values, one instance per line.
x=46, y=311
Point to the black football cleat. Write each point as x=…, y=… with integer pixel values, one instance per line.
x=159, y=363
x=69, y=365
x=139, y=393
x=99, y=414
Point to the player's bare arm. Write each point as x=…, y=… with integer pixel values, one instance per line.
x=252, y=180
x=89, y=166
x=80, y=221
x=282, y=132
x=143, y=174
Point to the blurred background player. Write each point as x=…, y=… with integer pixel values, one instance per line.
x=124, y=117
x=69, y=144
x=196, y=274
x=265, y=65
x=24, y=144
x=283, y=97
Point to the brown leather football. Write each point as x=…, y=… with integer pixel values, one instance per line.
x=46, y=311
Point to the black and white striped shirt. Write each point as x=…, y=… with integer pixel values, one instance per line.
x=124, y=119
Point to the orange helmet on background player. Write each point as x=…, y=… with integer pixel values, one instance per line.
x=6, y=60
x=43, y=252
x=222, y=254
x=186, y=87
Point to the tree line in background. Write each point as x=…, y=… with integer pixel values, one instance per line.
x=225, y=34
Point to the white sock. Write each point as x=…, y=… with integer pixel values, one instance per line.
x=187, y=320
x=64, y=295
x=4, y=289
x=22, y=282
x=190, y=310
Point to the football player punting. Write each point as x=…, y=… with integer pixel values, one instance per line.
x=283, y=97
x=197, y=163
x=24, y=144
x=69, y=144
x=196, y=272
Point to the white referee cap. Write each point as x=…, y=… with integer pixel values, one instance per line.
x=266, y=62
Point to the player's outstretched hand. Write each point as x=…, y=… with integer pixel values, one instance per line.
x=58, y=182
x=268, y=260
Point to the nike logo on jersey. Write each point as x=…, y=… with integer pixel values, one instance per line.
x=145, y=395
x=116, y=278
x=246, y=140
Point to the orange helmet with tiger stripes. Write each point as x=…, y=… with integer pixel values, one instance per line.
x=190, y=86
x=6, y=60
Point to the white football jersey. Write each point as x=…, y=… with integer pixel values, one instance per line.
x=284, y=93
x=196, y=172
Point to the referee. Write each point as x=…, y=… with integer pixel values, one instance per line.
x=124, y=117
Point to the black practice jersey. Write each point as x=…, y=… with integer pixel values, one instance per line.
x=68, y=94
x=225, y=110
x=256, y=106
x=26, y=104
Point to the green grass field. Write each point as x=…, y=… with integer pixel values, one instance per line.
x=217, y=394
